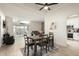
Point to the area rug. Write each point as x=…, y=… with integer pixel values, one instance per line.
x=31, y=53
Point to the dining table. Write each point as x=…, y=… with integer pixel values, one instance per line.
x=38, y=40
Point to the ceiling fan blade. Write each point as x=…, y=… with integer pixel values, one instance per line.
x=52, y=4
x=41, y=8
x=40, y=4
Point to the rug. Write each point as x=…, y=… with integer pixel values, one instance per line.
x=31, y=53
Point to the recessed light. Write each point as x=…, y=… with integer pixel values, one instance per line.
x=25, y=22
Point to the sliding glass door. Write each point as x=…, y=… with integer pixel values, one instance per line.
x=20, y=30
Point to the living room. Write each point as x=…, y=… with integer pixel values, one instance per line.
x=25, y=18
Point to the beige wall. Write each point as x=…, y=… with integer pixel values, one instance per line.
x=60, y=14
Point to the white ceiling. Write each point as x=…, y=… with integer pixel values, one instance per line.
x=27, y=11
x=23, y=11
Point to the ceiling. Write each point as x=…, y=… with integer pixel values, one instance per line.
x=23, y=11
x=29, y=11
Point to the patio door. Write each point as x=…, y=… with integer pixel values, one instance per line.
x=20, y=30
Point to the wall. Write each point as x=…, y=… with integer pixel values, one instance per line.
x=59, y=15
x=9, y=25
x=2, y=17
x=74, y=22
x=35, y=26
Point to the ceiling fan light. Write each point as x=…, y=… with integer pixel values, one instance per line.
x=46, y=7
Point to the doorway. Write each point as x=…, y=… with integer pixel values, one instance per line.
x=72, y=26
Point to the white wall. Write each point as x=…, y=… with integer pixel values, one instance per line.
x=35, y=26
x=60, y=14
x=9, y=25
x=2, y=17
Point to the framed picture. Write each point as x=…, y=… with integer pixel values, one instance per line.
x=53, y=26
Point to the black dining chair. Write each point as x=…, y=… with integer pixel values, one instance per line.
x=43, y=43
x=51, y=40
x=28, y=44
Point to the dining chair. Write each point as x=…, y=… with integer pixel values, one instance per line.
x=28, y=44
x=43, y=43
x=51, y=40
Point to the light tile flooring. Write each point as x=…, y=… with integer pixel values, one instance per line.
x=63, y=51
x=15, y=50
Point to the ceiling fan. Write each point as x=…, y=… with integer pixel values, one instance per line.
x=45, y=5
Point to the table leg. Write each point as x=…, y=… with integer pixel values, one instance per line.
x=41, y=51
x=52, y=43
x=27, y=50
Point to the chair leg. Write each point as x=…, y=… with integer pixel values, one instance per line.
x=41, y=51
x=32, y=47
x=52, y=43
x=46, y=48
x=27, y=50
x=43, y=47
x=35, y=50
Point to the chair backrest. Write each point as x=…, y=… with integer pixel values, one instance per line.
x=27, y=39
x=51, y=39
x=44, y=37
x=51, y=36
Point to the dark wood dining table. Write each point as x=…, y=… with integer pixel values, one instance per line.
x=38, y=40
